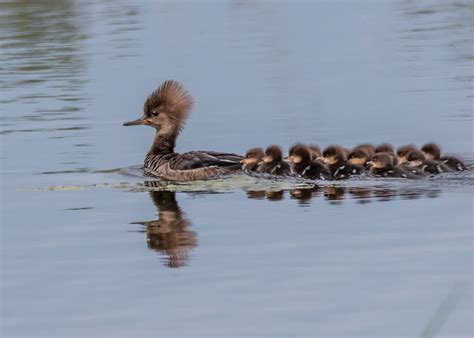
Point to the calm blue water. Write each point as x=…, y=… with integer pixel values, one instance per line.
x=87, y=250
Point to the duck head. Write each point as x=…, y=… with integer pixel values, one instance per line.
x=166, y=109
x=381, y=161
x=299, y=153
x=415, y=158
x=272, y=154
x=431, y=151
x=358, y=156
x=385, y=148
x=333, y=154
x=253, y=156
x=403, y=151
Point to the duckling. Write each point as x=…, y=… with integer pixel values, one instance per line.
x=334, y=157
x=166, y=110
x=356, y=164
x=369, y=148
x=252, y=160
x=403, y=151
x=359, y=157
x=433, y=152
x=417, y=162
x=382, y=166
x=315, y=151
x=385, y=148
x=273, y=162
x=302, y=164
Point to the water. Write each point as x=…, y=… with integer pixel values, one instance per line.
x=88, y=250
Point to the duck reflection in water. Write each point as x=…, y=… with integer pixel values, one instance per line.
x=169, y=234
x=335, y=195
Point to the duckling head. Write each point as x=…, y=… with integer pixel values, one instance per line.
x=369, y=148
x=385, y=148
x=272, y=154
x=299, y=153
x=381, y=161
x=403, y=151
x=431, y=151
x=253, y=156
x=358, y=156
x=415, y=158
x=333, y=154
x=166, y=109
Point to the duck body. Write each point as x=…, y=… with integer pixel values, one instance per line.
x=313, y=170
x=347, y=170
x=453, y=163
x=392, y=172
x=278, y=168
x=191, y=166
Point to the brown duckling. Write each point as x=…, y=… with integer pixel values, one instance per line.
x=416, y=161
x=334, y=157
x=166, y=110
x=315, y=151
x=273, y=162
x=359, y=157
x=403, y=151
x=356, y=164
x=302, y=164
x=252, y=160
x=369, y=148
x=433, y=152
x=385, y=148
x=382, y=166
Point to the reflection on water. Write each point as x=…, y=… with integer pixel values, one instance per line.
x=169, y=234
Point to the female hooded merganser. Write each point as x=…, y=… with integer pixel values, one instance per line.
x=433, y=152
x=166, y=109
x=273, y=163
x=302, y=164
x=252, y=160
x=416, y=161
x=334, y=157
x=382, y=166
x=403, y=151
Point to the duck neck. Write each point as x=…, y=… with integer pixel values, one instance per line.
x=163, y=143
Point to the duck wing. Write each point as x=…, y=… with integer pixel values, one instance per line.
x=201, y=159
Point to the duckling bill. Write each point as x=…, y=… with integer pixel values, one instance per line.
x=166, y=110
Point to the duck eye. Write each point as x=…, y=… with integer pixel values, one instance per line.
x=155, y=113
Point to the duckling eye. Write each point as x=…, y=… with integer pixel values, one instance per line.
x=155, y=113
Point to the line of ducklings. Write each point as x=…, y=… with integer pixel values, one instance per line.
x=335, y=162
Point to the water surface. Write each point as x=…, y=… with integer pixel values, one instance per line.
x=92, y=247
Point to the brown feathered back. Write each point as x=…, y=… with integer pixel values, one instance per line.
x=172, y=98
